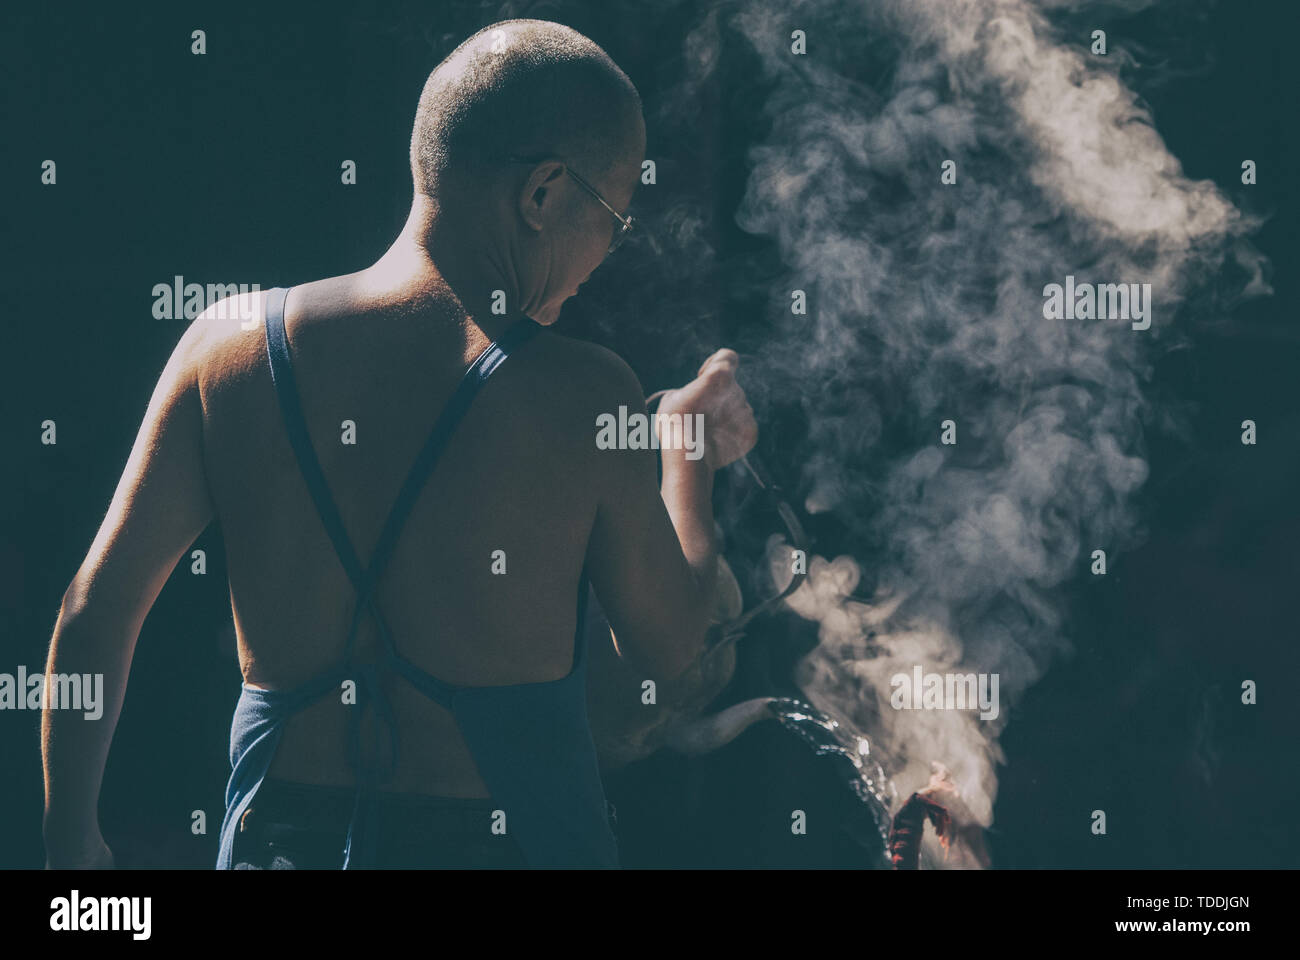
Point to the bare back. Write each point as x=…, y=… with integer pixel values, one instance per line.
x=520, y=475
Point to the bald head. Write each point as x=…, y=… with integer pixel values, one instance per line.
x=523, y=88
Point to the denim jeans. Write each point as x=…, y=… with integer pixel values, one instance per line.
x=295, y=826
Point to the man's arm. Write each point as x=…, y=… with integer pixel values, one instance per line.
x=161, y=505
x=653, y=554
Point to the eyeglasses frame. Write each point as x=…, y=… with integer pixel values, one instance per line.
x=625, y=223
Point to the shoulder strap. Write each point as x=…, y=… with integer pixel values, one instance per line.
x=478, y=373
x=286, y=388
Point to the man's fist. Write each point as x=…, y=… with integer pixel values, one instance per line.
x=730, y=431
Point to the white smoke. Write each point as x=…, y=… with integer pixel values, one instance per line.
x=926, y=305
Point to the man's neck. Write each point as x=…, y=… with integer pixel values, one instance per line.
x=423, y=266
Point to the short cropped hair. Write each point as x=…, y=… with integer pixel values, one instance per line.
x=522, y=87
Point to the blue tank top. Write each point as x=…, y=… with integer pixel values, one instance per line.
x=531, y=742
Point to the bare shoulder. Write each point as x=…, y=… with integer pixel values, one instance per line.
x=228, y=339
x=584, y=374
x=576, y=386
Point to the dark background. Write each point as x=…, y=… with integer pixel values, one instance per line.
x=225, y=168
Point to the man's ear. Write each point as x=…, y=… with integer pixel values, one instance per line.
x=538, y=193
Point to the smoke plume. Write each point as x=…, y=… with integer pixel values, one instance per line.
x=926, y=305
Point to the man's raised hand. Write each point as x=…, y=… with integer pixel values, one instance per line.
x=730, y=430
